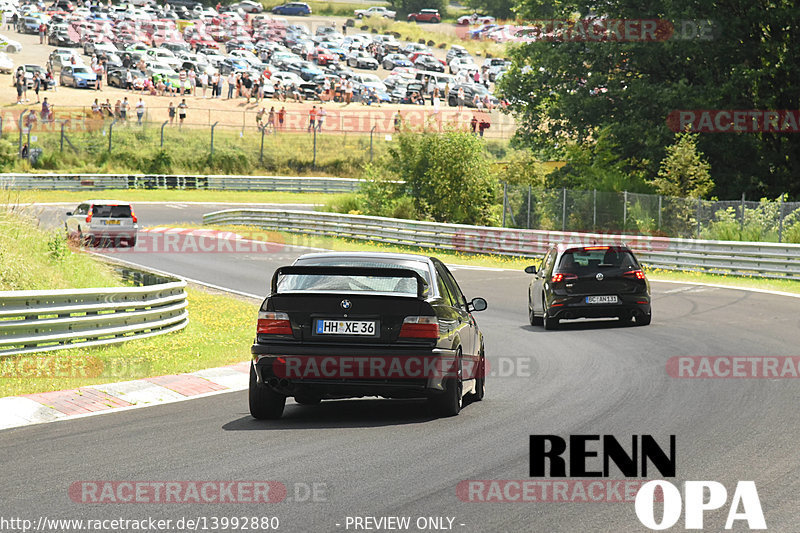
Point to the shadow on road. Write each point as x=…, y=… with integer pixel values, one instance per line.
x=342, y=414
x=582, y=325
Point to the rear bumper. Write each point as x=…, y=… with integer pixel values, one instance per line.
x=576, y=307
x=333, y=372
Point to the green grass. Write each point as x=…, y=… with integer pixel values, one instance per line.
x=172, y=195
x=220, y=332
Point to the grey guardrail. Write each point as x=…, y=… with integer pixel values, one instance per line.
x=41, y=321
x=95, y=182
x=768, y=260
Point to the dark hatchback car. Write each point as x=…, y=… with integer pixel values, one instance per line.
x=347, y=325
x=575, y=281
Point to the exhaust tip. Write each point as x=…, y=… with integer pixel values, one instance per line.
x=284, y=383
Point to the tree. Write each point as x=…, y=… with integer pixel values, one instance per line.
x=565, y=92
x=684, y=172
x=447, y=176
x=500, y=9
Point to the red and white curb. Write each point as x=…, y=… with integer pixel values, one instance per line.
x=92, y=400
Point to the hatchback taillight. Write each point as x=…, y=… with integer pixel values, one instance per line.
x=634, y=274
x=271, y=323
x=89, y=216
x=559, y=277
x=133, y=216
x=420, y=327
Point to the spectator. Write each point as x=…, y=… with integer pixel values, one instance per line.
x=348, y=92
x=398, y=122
x=139, y=110
x=37, y=82
x=42, y=32
x=312, y=117
x=477, y=101
x=484, y=125
x=487, y=102
x=203, y=80
x=474, y=124
x=171, y=112
x=106, y=106
x=98, y=69
x=19, y=82
x=96, y=112
x=123, y=109
x=128, y=80
x=182, y=112
x=247, y=85
x=192, y=75
x=231, y=84
x=321, y=114
x=271, y=118
x=260, y=117
x=461, y=98
x=46, y=111
x=281, y=117
x=182, y=81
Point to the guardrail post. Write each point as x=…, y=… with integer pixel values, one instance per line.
x=110, y=130
x=370, y=142
x=780, y=219
x=564, y=209
x=699, y=207
x=214, y=125
x=659, y=212
x=162, y=132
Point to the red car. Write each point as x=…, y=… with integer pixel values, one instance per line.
x=425, y=15
x=323, y=56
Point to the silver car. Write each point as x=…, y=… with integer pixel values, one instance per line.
x=106, y=221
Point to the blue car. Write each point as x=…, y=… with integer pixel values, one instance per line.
x=78, y=76
x=292, y=8
x=396, y=60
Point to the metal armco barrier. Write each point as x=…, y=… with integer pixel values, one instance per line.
x=93, y=182
x=766, y=260
x=41, y=321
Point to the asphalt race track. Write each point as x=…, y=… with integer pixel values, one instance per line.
x=388, y=458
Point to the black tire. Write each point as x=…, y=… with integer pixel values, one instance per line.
x=549, y=323
x=452, y=102
x=480, y=380
x=644, y=320
x=307, y=400
x=265, y=403
x=448, y=403
x=132, y=242
x=532, y=318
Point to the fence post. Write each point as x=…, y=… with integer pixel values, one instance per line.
x=162, y=132
x=594, y=209
x=1, y=126
x=624, y=210
x=659, y=212
x=780, y=219
x=314, y=160
x=741, y=222
x=261, y=156
x=528, y=225
x=62, y=135
x=214, y=125
x=505, y=202
x=110, y=129
x=699, y=206
x=564, y=209
x=21, y=117
x=370, y=142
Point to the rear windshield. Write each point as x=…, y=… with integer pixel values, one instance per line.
x=337, y=283
x=111, y=211
x=576, y=260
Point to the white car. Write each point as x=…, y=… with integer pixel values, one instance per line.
x=360, y=59
x=99, y=220
x=372, y=81
x=462, y=63
x=475, y=18
x=375, y=11
x=9, y=45
x=6, y=63
x=287, y=79
x=164, y=56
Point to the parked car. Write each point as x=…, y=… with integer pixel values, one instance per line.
x=77, y=76
x=361, y=59
x=396, y=60
x=475, y=18
x=426, y=62
x=103, y=220
x=292, y=8
x=117, y=77
x=248, y=6
x=6, y=63
x=369, y=306
x=577, y=281
x=425, y=15
x=470, y=90
x=375, y=11
x=9, y=45
x=31, y=70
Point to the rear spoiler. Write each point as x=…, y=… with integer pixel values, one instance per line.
x=350, y=271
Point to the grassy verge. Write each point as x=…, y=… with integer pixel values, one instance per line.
x=219, y=332
x=493, y=261
x=414, y=32
x=171, y=195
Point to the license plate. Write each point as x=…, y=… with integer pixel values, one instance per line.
x=601, y=299
x=112, y=222
x=347, y=327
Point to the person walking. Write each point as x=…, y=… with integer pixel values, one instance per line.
x=321, y=114
x=171, y=112
x=182, y=112
x=139, y=111
x=37, y=83
x=19, y=81
x=312, y=117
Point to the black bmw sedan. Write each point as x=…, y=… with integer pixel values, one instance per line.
x=347, y=324
x=575, y=281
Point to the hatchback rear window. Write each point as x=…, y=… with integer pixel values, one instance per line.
x=596, y=258
x=111, y=211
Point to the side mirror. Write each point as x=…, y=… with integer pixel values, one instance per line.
x=531, y=269
x=477, y=304
x=69, y=213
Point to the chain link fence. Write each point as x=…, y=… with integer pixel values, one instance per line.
x=650, y=214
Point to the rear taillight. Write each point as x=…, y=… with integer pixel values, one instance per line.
x=133, y=216
x=89, y=216
x=559, y=277
x=271, y=323
x=634, y=274
x=420, y=327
